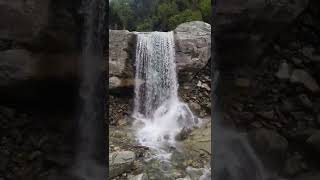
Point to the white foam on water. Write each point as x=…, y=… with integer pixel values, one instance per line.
x=156, y=102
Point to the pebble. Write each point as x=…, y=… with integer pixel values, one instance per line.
x=284, y=71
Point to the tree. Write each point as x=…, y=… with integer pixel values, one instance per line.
x=146, y=25
x=160, y=15
x=124, y=12
x=205, y=8
x=185, y=16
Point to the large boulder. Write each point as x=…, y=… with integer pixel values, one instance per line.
x=120, y=162
x=120, y=49
x=198, y=143
x=121, y=60
x=270, y=146
x=246, y=27
x=16, y=65
x=193, y=48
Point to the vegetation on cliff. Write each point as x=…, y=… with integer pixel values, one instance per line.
x=158, y=15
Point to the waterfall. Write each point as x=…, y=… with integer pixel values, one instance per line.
x=156, y=102
x=90, y=158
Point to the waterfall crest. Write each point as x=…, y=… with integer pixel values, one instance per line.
x=156, y=102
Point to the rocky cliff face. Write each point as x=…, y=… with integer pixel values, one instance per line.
x=193, y=51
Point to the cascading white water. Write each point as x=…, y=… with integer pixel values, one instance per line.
x=156, y=102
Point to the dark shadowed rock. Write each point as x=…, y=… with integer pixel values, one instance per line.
x=246, y=27
x=314, y=140
x=293, y=165
x=23, y=20
x=284, y=71
x=270, y=145
x=16, y=65
x=303, y=77
x=309, y=176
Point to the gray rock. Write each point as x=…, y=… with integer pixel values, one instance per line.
x=206, y=174
x=270, y=145
x=16, y=65
x=309, y=52
x=303, y=77
x=284, y=71
x=305, y=101
x=23, y=20
x=120, y=47
x=297, y=61
x=242, y=82
x=183, y=134
x=7, y=112
x=268, y=140
x=204, y=86
x=309, y=176
x=194, y=173
x=198, y=142
x=185, y=178
x=137, y=177
x=314, y=140
x=114, y=82
x=195, y=107
x=193, y=47
x=293, y=165
x=267, y=114
x=4, y=162
x=120, y=162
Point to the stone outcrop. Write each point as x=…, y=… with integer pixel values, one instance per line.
x=120, y=162
x=120, y=48
x=193, y=51
x=193, y=48
x=198, y=143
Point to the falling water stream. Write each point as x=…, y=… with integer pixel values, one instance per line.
x=159, y=114
x=156, y=102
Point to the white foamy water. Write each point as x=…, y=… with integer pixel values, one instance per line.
x=156, y=102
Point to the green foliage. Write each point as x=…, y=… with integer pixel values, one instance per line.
x=160, y=15
x=146, y=25
x=205, y=8
x=185, y=16
x=122, y=10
